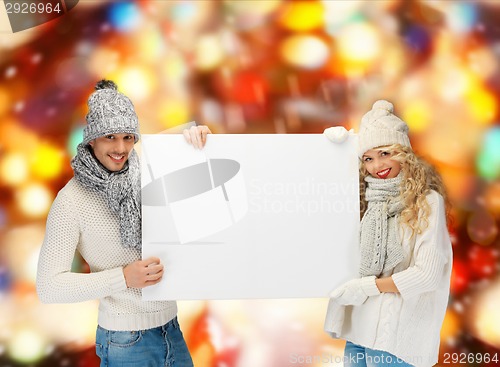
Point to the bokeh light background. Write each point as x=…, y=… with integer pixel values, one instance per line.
x=252, y=67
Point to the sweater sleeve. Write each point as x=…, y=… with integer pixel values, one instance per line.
x=432, y=254
x=55, y=282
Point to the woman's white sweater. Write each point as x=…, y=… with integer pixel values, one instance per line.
x=406, y=324
x=80, y=220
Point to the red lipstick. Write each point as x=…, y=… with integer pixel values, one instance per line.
x=384, y=173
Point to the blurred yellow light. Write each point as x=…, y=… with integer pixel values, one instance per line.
x=47, y=161
x=417, y=115
x=338, y=13
x=174, y=68
x=302, y=15
x=453, y=139
x=257, y=7
x=103, y=61
x=12, y=134
x=394, y=63
x=485, y=318
x=13, y=169
x=173, y=113
x=26, y=346
x=457, y=84
x=451, y=325
x=304, y=51
x=483, y=62
x=358, y=46
x=204, y=354
x=21, y=245
x=4, y=101
x=10, y=41
x=73, y=324
x=459, y=181
x=452, y=83
x=359, y=42
x=150, y=44
x=34, y=200
x=209, y=52
x=30, y=266
x=492, y=198
x=135, y=82
x=482, y=105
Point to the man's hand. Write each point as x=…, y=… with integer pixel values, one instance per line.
x=143, y=273
x=197, y=135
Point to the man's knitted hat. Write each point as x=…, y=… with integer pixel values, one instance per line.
x=110, y=112
x=380, y=127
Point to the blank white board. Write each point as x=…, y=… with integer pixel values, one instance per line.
x=250, y=216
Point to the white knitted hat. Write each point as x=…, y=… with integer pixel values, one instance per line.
x=380, y=127
x=110, y=112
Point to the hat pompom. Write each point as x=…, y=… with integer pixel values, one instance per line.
x=105, y=84
x=383, y=105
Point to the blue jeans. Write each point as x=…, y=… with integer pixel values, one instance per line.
x=163, y=346
x=356, y=355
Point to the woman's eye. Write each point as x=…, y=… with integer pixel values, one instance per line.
x=385, y=153
x=110, y=137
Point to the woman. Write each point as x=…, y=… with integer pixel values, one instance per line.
x=392, y=314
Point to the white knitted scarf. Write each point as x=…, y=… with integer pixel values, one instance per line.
x=380, y=244
x=120, y=189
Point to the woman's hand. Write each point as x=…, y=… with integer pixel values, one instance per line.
x=356, y=291
x=337, y=134
x=143, y=273
x=197, y=135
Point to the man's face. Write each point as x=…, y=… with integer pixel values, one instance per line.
x=113, y=150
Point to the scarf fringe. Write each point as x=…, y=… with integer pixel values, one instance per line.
x=380, y=245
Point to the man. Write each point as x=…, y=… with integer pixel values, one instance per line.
x=98, y=214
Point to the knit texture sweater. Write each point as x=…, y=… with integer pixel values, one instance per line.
x=406, y=324
x=80, y=220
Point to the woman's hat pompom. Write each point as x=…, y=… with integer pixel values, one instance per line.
x=383, y=105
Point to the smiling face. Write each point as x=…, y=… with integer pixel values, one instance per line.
x=113, y=150
x=379, y=164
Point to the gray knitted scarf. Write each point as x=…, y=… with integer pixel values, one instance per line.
x=120, y=189
x=380, y=244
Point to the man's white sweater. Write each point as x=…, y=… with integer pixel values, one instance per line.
x=406, y=324
x=80, y=220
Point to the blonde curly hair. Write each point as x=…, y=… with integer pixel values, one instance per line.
x=419, y=178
